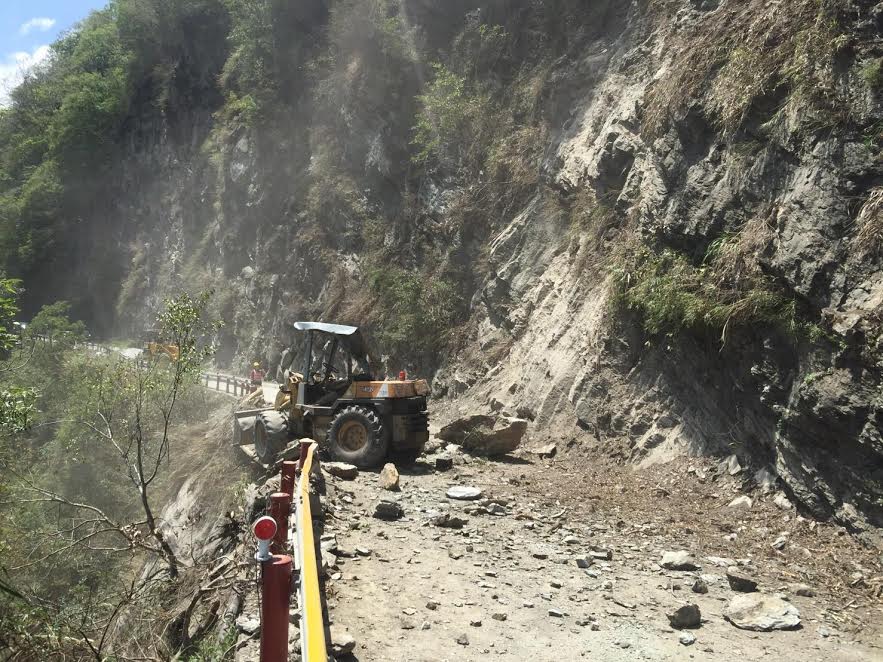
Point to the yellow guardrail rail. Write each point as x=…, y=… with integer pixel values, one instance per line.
x=312, y=624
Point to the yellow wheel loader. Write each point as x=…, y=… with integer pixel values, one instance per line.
x=335, y=400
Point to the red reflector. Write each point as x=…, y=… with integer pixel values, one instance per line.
x=264, y=528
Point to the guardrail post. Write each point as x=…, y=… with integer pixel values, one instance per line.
x=226, y=384
x=304, y=449
x=275, y=602
x=280, y=505
x=286, y=485
x=218, y=382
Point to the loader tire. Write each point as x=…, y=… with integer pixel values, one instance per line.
x=356, y=436
x=270, y=435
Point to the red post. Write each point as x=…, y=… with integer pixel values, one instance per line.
x=280, y=504
x=288, y=471
x=276, y=599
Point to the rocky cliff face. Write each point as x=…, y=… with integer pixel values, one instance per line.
x=734, y=146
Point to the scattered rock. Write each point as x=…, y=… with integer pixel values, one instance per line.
x=557, y=613
x=462, y=493
x=779, y=543
x=687, y=639
x=601, y=554
x=782, y=502
x=681, y=560
x=584, y=562
x=341, y=470
x=247, y=625
x=548, y=450
x=730, y=465
x=485, y=435
x=765, y=479
x=444, y=463
x=425, y=625
x=742, y=502
x=463, y=640
x=389, y=477
x=803, y=590
x=475, y=622
x=388, y=510
x=499, y=616
x=687, y=616
x=342, y=642
x=700, y=586
x=448, y=521
x=432, y=605
x=740, y=580
x=363, y=551
x=761, y=613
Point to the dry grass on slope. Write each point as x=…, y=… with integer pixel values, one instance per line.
x=744, y=51
x=869, y=238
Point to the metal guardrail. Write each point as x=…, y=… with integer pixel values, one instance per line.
x=312, y=623
x=235, y=386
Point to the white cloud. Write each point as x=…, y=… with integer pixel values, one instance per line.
x=38, y=24
x=15, y=66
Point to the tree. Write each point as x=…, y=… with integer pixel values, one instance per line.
x=125, y=411
x=53, y=325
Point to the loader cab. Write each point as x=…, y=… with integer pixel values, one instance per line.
x=334, y=357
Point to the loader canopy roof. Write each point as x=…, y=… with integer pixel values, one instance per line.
x=350, y=335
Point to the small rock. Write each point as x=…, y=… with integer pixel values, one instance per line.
x=700, y=586
x=407, y=624
x=499, y=616
x=687, y=639
x=388, y=510
x=463, y=640
x=455, y=554
x=779, y=543
x=687, y=616
x=342, y=642
x=432, y=605
x=363, y=551
x=803, y=590
x=557, y=613
x=584, y=562
x=247, y=625
x=409, y=611
x=461, y=493
x=761, y=613
x=448, y=521
x=681, y=560
x=475, y=622
x=730, y=465
x=548, y=450
x=555, y=584
x=782, y=501
x=527, y=604
x=595, y=627
x=389, y=477
x=602, y=554
x=740, y=581
x=341, y=470
x=741, y=502
x=444, y=463
x=425, y=625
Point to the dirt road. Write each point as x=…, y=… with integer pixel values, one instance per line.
x=508, y=586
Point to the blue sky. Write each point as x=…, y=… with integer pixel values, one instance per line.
x=27, y=27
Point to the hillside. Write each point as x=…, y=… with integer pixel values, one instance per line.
x=653, y=228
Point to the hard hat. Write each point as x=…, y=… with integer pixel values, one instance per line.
x=257, y=365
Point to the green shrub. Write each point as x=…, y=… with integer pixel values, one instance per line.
x=413, y=313
x=672, y=295
x=450, y=119
x=872, y=72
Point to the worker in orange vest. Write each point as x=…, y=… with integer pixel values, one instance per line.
x=257, y=375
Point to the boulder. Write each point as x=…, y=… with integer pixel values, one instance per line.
x=342, y=642
x=389, y=477
x=741, y=502
x=388, y=510
x=740, y=580
x=762, y=613
x=687, y=616
x=461, y=493
x=681, y=560
x=340, y=470
x=485, y=435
